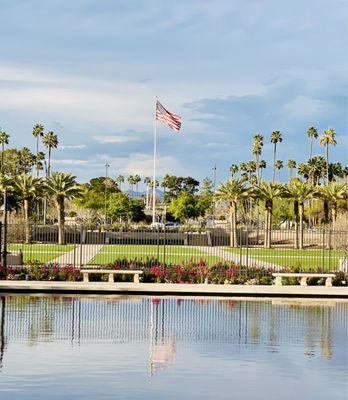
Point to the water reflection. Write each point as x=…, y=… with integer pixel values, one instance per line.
x=163, y=323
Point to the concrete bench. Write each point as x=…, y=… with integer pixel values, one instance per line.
x=111, y=273
x=304, y=276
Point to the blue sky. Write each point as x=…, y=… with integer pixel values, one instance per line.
x=90, y=70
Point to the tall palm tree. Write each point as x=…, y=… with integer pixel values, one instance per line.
x=243, y=167
x=299, y=192
x=332, y=193
x=38, y=132
x=120, y=180
x=303, y=170
x=316, y=169
x=291, y=164
x=279, y=166
x=251, y=165
x=62, y=187
x=327, y=138
x=50, y=140
x=262, y=166
x=234, y=192
x=276, y=137
x=312, y=134
x=130, y=181
x=137, y=179
x=268, y=192
x=147, y=181
x=29, y=189
x=234, y=169
x=4, y=139
x=256, y=151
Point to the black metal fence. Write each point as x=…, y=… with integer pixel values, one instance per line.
x=323, y=249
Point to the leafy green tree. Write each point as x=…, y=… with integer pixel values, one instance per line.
x=291, y=164
x=328, y=137
x=122, y=208
x=176, y=185
x=268, y=192
x=276, y=137
x=29, y=189
x=4, y=140
x=61, y=187
x=38, y=132
x=50, y=141
x=187, y=205
x=312, y=134
x=94, y=193
x=234, y=191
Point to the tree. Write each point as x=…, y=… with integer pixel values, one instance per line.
x=207, y=195
x=268, y=192
x=120, y=180
x=61, y=187
x=291, y=164
x=256, y=151
x=137, y=179
x=312, y=134
x=336, y=170
x=38, y=132
x=332, y=193
x=251, y=169
x=50, y=141
x=4, y=139
x=299, y=192
x=29, y=189
x=276, y=137
x=262, y=166
x=234, y=191
x=234, y=169
x=279, y=166
x=131, y=182
x=147, y=181
x=187, y=205
x=176, y=185
x=327, y=138
x=316, y=169
x=121, y=207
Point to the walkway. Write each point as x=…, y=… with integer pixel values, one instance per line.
x=81, y=255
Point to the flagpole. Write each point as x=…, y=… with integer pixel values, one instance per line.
x=154, y=168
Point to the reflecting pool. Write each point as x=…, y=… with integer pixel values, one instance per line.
x=63, y=347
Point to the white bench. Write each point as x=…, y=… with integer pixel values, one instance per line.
x=111, y=273
x=303, y=275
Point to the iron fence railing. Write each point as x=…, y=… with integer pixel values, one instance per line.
x=322, y=250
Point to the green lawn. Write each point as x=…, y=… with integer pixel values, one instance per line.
x=169, y=254
x=310, y=258
x=40, y=252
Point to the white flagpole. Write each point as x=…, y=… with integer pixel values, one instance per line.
x=154, y=168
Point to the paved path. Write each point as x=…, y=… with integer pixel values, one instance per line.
x=81, y=255
x=238, y=258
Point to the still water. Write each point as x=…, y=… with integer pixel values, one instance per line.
x=150, y=348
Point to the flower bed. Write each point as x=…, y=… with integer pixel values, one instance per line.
x=156, y=272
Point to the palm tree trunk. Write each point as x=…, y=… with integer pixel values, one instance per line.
x=269, y=244
x=234, y=212
x=49, y=162
x=265, y=241
x=296, y=224
x=26, y=218
x=2, y=156
x=301, y=210
x=147, y=195
x=257, y=168
x=37, y=156
x=274, y=160
x=310, y=148
x=327, y=163
x=334, y=211
x=61, y=221
x=231, y=228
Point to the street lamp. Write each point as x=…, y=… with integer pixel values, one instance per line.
x=107, y=165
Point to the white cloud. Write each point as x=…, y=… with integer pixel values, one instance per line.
x=70, y=162
x=72, y=146
x=115, y=138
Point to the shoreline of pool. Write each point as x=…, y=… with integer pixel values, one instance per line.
x=163, y=289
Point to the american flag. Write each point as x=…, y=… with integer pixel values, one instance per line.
x=163, y=115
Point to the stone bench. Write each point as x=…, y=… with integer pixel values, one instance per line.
x=111, y=273
x=303, y=275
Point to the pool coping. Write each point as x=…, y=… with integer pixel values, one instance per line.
x=164, y=289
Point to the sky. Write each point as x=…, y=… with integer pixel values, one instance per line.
x=90, y=71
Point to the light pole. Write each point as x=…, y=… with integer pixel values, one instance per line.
x=214, y=187
x=105, y=194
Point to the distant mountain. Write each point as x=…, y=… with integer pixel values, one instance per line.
x=137, y=195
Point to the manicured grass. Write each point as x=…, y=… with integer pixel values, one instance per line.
x=40, y=252
x=292, y=258
x=169, y=254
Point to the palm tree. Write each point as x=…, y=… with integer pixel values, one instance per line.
x=243, y=167
x=262, y=166
x=303, y=170
x=61, y=187
x=316, y=169
x=276, y=137
x=268, y=192
x=332, y=193
x=147, y=181
x=251, y=165
x=38, y=132
x=29, y=188
x=312, y=134
x=279, y=166
x=327, y=138
x=234, y=169
x=120, y=180
x=4, y=139
x=131, y=182
x=291, y=164
x=137, y=179
x=50, y=140
x=256, y=151
x=234, y=192
x=299, y=192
